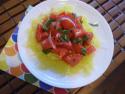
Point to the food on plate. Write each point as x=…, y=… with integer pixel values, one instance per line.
x=63, y=41
x=64, y=35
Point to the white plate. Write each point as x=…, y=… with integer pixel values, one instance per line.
x=102, y=56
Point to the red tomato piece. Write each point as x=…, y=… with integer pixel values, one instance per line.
x=73, y=59
x=53, y=16
x=46, y=44
x=61, y=15
x=67, y=45
x=90, y=36
x=38, y=36
x=61, y=52
x=39, y=33
x=44, y=35
x=53, y=30
x=67, y=23
x=71, y=35
x=77, y=48
x=78, y=19
x=91, y=49
x=79, y=33
x=58, y=25
x=56, y=39
x=64, y=14
x=70, y=15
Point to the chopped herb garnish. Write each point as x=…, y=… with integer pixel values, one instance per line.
x=77, y=40
x=83, y=51
x=84, y=38
x=47, y=24
x=64, y=38
x=45, y=27
x=47, y=51
x=63, y=31
x=94, y=24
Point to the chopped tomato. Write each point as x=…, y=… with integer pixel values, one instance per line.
x=58, y=25
x=46, y=44
x=78, y=19
x=39, y=33
x=73, y=59
x=77, y=48
x=61, y=15
x=64, y=35
x=56, y=39
x=90, y=36
x=53, y=16
x=90, y=49
x=67, y=23
x=78, y=22
x=67, y=45
x=71, y=35
x=53, y=30
x=38, y=36
x=44, y=35
x=70, y=15
x=78, y=33
x=61, y=52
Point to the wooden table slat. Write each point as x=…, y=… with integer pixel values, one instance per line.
x=12, y=3
x=108, y=5
x=113, y=25
x=3, y=80
x=114, y=12
x=122, y=41
x=117, y=1
x=1, y=9
x=122, y=5
x=16, y=10
x=94, y=4
x=117, y=49
x=101, y=1
x=6, y=89
x=16, y=84
x=28, y=89
x=4, y=17
x=108, y=17
x=18, y=17
x=117, y=33
x=31, y=2
x=7, y=26
x=121, y=18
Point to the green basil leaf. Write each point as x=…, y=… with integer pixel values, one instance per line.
x=65, y=31
x=47, y=51
x=50, y=20
x=45, y=27
x=83, y=51
x=64, y=38
x=84, y=38
x=47, y=24
x=77, y=40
